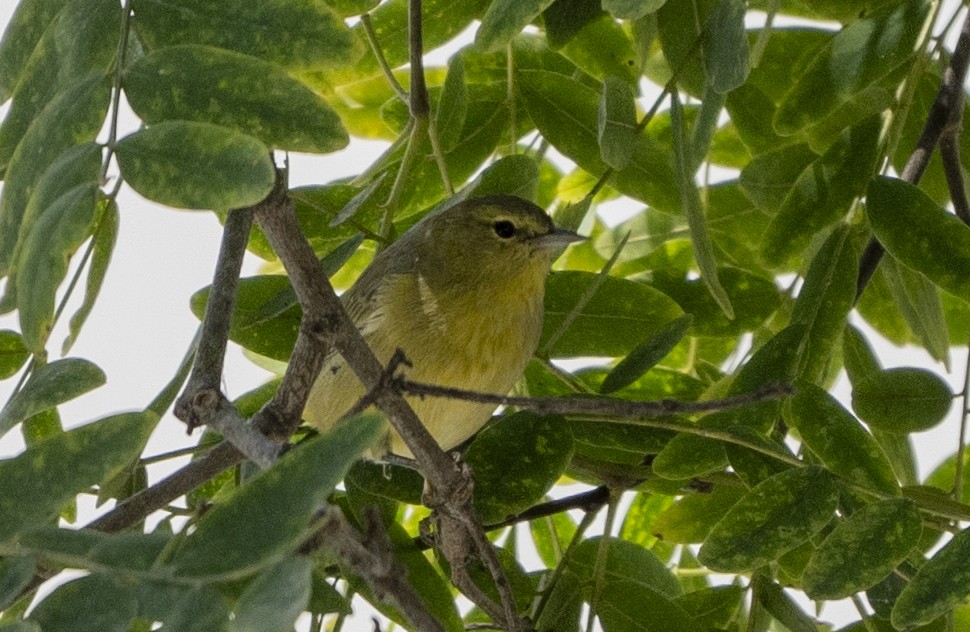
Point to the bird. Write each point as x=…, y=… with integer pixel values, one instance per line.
x=461, y=295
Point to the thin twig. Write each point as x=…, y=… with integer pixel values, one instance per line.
x=381, y=60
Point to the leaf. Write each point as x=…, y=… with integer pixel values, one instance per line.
x=770, y=176
x=863, y=549
x=823, y=192
x=617, y=123
x=86, y=548
x=505, y=19
x=452, y=105
x=782, y=607
x=618, y=311
x=72, y=117
x=824, y=302
x=184, y=608
x=564, y=19
x=16, y=572
x=30, y=19
x=715, y=606
x=53, y=239
x=635, y=581
x=774, y=517
x=646, y=355
x=13, y=353
x=95, y=603
x=105, y=236
x=858, y=356
x=939, y=585
x=726, y=47
x=839, y=440
x=196, y=165
x=920, y=234
x=921, y=306
x=510, y=481
x=902, y=400
x=603, y=49
x=79, y=43
x=690, y=198
x=79, y=165
x=299, y=35
x=631, y=9
x=690, y=519
x=50, y=385
x=36, y=484
x=275, y=598
x=249, y=95
x=864, y=52
x=565, y=112
x=271, y=513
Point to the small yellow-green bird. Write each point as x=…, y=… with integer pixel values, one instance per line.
x=461, y=294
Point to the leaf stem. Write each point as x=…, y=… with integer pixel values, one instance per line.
x=381, y=60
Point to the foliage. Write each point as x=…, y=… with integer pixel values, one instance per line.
x=756, y=187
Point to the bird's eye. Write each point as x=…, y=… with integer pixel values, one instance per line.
x=504, y=228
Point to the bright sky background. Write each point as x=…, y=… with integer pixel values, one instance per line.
x=141, y=326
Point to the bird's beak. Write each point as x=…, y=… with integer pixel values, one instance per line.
x=558, y=239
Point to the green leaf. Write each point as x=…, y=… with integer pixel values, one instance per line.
x=564, y=19
x=825, y=300
x=196, y=165
x=30, y=19
x=299, y=35
x=79, y=165
x=505, y=19
x=452, y=105
x=770, y=176
x=617, y=123
x=184, y=608
x=754, y=300
x=635, y=581
x=16, y=571
x=859, y=358
x=36, y=484
x=616, y=443
x=690, y=519
x=603, y=49
x=863, y=549
x=509, y=481
x=271, y=514
x=939, y=585
x=105, y=236
x=780, y=605
x=212, y=85
x=95, y=603
x=275, y=597
x=80, y=42
x=823, y=192
x=839, y=440
x=604, y=325
x=690, y=198
x=13, y=353
x=565, y=112
x=726, y=47
x=774, y=517
x=85, y=548
x=631, y=9
x=54, y=238
x=921, y=306
x=864, y=52
x=72, y=117
x=920, y=234
x=646, y=355
x=715, y=606
x=50, y=385
x=902, y=400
